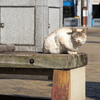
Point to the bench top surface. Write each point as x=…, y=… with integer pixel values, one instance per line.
x=40, y=60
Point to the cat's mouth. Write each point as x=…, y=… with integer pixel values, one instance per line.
x=79, y=42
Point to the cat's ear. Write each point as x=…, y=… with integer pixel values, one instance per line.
x=73, y=29
x=85, y=30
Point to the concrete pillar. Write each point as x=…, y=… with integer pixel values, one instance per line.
x=69, y=84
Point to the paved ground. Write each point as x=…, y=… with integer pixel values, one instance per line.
x=92, y=48
x=34, y=88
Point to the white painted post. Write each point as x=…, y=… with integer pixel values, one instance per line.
x=79, y=8
x=89, y=13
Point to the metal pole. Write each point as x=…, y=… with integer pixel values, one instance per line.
x=75, y=10
x=85, y=13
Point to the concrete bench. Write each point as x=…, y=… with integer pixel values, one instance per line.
x=68, y=71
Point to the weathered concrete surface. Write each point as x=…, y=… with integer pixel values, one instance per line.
x=53, y=61
x=69, y=84
x=77, y=84
x=7, y=48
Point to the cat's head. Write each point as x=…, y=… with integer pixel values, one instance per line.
x=79, y=35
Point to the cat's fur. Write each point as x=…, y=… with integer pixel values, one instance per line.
x=65, y=40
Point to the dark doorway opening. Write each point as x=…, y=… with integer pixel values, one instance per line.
x=96, y=11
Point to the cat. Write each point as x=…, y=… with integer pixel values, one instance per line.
x=65, y=40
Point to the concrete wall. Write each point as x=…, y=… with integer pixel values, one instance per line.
x=26, y=22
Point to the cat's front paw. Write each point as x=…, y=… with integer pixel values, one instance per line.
x=70, y=52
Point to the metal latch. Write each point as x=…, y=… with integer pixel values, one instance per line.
x=48, y=25
x=1, y=25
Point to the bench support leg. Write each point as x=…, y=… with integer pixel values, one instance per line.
x=61, y=81
x=69, y=84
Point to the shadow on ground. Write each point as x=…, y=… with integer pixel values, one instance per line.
x=93, y=90
x=14, y=97
x=92, y=42
x=94, y=34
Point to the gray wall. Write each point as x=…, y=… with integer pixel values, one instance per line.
x=26, y=22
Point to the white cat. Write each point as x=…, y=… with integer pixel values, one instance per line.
x=65, y=40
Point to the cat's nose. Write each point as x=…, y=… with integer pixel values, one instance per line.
x=78, y=40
